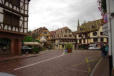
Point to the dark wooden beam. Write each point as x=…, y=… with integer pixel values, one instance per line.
x=12, y=32
x=11, y=9
x=112, y=14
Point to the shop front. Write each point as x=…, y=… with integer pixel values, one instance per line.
x=5, y=46
x=10, y=44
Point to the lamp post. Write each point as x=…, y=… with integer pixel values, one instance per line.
x=110, y=9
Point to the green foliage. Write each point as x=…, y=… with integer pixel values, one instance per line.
x=37, y=40
x=103, y=5
x=68, y=46
x=28, y=39
x=36, y=49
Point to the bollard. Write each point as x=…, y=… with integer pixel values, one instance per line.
x=65, y=51
x=89, y=68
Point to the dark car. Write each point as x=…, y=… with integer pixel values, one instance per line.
x=26, y=49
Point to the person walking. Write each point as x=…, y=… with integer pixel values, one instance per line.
x=103, y=49
x=106, y=50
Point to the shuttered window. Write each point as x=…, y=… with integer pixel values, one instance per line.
x=11, y=19
x=14, y=2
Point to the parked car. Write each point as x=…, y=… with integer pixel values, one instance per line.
x=93, y=47
x=26, y=49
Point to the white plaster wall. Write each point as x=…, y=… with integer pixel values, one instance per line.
x=3, y=1
x=26, y=6
x=1, y=15
x=21, y=30
x=26, y=1
x=0, y=1
x=112, y=6
x=6, y=4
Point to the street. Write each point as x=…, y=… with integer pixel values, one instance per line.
x=53, y=63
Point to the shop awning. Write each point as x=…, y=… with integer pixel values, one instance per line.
x=32, y=43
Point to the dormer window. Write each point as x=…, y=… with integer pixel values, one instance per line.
x=93, y=26
x=80, y=35
x=94, y=33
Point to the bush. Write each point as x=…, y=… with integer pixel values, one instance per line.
x=36, y=50
x=68, y=46
x=37, y=41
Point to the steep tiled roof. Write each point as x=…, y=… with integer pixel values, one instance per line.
x=90, y=26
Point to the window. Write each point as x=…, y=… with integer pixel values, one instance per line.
x=80, y=41
x=65, y=35
x=45, y=32
x=93, y=26
x=83, y=40
x=86, y=35
x=14, y=2
x=70, y=35
x=11, y=19
x=101, y=33
x=80, y=35
x=102, y=39
x=94, y=33
x=81, y=29
x=67, y=31
x=95, y=40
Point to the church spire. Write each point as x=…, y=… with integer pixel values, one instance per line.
x=78, y=25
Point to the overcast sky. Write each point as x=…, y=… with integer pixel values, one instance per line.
x=55, y=14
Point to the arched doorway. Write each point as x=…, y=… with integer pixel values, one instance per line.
x=5, y=46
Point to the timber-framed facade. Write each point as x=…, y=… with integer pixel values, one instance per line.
x=13, y=25
x=61, y=37
x=90, y=33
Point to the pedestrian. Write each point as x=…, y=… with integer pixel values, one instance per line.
x=65, y=51
x=109, y=56
x=106, y=50
x=103, y=49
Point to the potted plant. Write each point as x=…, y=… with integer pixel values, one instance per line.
x=68, y=47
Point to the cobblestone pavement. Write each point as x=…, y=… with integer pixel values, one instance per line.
x=54, y=63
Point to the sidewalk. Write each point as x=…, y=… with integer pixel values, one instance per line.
x=101, y=68
x=6, y=58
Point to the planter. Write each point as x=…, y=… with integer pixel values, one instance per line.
x=69, y=50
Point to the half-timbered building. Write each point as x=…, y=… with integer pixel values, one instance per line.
x=61, y=37
x=13, y=25
x=90, y=33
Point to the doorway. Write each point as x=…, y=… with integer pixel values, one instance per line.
x=5, y=46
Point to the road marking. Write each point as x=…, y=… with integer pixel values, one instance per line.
x=93, y=71
x=39, y=62
x=90, y=61
x=80, y=70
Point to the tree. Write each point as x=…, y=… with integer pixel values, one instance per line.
x=103, y=5
x=28, y=39
x=34, y=35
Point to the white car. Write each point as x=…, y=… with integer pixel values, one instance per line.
x=92, y=47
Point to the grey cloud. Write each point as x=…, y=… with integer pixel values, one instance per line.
x=63, y=16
